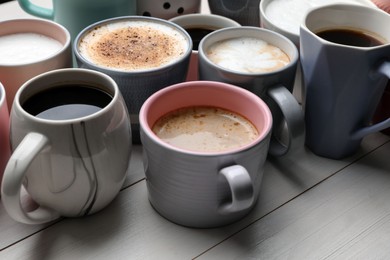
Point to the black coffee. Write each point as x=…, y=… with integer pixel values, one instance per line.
x=350, y=37
x=197, y=35
x=67, y=102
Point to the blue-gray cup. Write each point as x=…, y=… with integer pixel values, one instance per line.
x=136, y=83
x=343, y=84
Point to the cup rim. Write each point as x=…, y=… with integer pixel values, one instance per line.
x=199, y=18
x=248, y=29
x=70, y=80
x=339, y=6
x=89, y=28
x=146, y=128
x=2, y=95
x=32, y=22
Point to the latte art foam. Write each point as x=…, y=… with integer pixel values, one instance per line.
x=133, y=45
x=248, y=55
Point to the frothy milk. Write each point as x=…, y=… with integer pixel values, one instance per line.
x=248, y=55
x=133, y=45
x=23, y=48
x=205, y=129
x=289, y=14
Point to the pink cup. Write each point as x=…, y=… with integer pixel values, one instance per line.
x=204, y=189
x=5, y=150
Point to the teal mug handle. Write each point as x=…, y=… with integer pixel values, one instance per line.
x=36, y=10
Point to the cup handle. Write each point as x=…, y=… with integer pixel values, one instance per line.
x=241, y=188
x=293, y=116
x=14, y=174
x=383, y=69
x=36, y=10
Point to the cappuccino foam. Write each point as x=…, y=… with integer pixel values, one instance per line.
x=205, y=129
x=248, y=55
x=133, y=45
x=21, y=48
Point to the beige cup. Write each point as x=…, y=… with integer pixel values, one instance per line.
x=4, y=132
x=207, y=23
x=14, y=74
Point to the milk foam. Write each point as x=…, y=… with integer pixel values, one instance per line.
x=289, y=14
x=205, y=129
x=248, y=55
x=23, y=48
x=133, y=45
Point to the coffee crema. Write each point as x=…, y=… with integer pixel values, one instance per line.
x=133, y=45
x=205, y=129
x=21, y=48
x=247, y=55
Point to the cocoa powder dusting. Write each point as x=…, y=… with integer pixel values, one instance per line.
x=133, y=48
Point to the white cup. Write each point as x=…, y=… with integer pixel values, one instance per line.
x=70, y=167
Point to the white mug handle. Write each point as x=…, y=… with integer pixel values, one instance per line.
x=241, y=188
x=14, y=174
x=294, y=118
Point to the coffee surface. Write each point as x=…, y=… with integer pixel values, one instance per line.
x=197, y=34
x=66, y=102
x=133, y=45
x=205, y=129
x=21, y=48
x=248, y=55
x=350, y=37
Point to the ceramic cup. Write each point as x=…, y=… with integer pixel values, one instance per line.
x=285, y=17
x=143, y=65
x=4, y=132
x=343, y=81
x=274, y=86
x=245, y=12
x=72, y=159
x=46, y=45
x=167, y=9
x=198, y=26
x=75, y=15
x=204, y=189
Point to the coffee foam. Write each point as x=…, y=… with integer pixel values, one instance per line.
x=205, y=129
x=289, y=14
x=133, y=45
x=248, y=55
x=21, y=48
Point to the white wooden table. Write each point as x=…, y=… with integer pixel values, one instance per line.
x=309, y=208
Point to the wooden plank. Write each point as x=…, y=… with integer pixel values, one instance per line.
x=345, y=217
x=130, y=226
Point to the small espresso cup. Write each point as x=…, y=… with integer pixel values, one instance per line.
x=199, y=178
x=5, y=149
x=245, y=12
x=198, y=26
x=142, y=54
x=30, y=47
x=345, y=53
x=71, y=137
x=265, y=63
x=75, y=15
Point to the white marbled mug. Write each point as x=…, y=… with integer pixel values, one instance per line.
x=71, y=136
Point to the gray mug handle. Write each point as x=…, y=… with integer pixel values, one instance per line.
x=383, y=69
x=294, y=118
x=241, y=188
